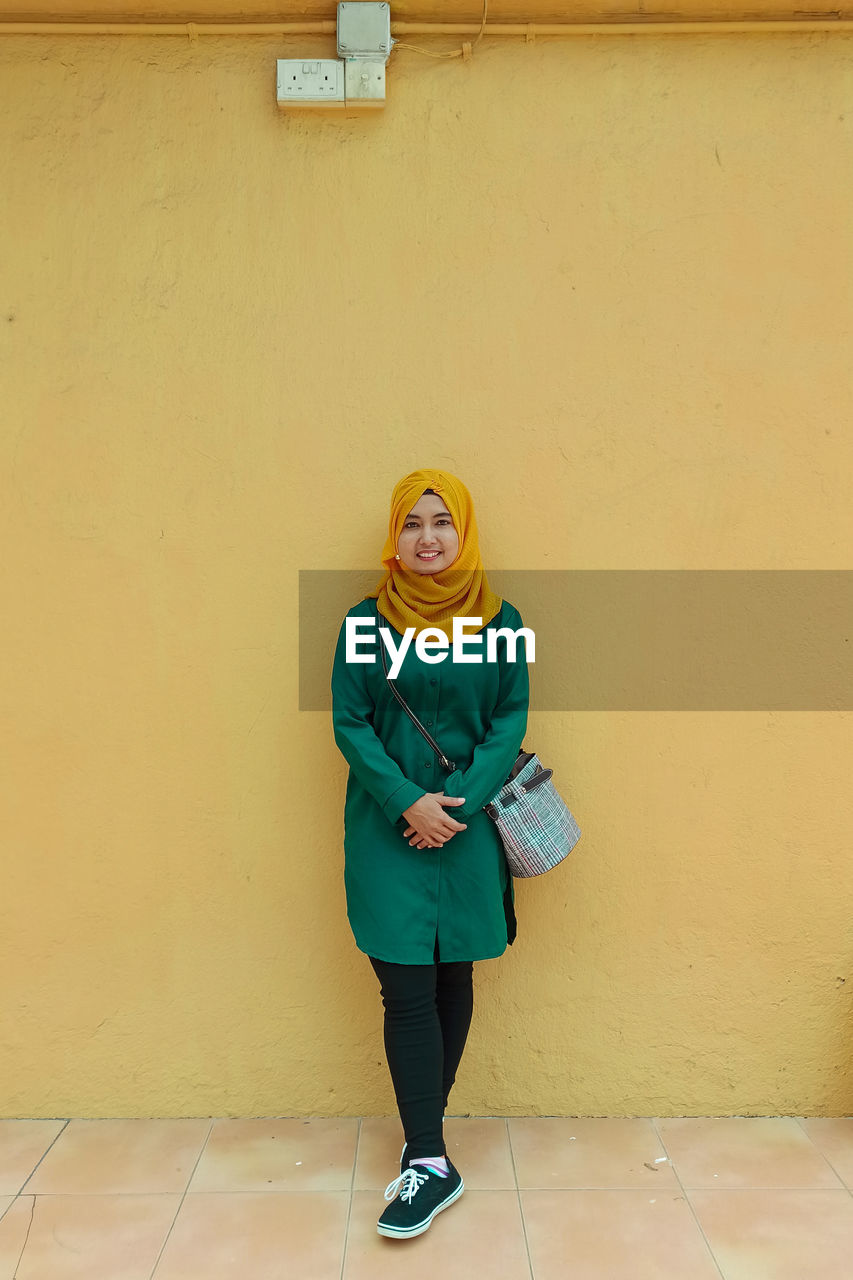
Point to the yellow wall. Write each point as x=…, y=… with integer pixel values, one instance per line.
x=605, y=281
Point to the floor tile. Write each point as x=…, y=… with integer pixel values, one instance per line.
x=592, y=1152
x=278, y=1155
x=744, y=1151
x=379, y=1145
x=22, y=1145
x=265, y=1236
x=477, y=1145
x=615, y=1235
x=80, y=1237
x=833, y=1137
x=13, y=1233
x=480, y=1234
x=778, y=1235
x=137, y=1156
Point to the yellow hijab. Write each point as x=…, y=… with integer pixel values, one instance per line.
x=420, y=600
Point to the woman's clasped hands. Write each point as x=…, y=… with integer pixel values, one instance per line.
x=429, y=826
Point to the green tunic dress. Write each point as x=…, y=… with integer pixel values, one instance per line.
x=401, y=899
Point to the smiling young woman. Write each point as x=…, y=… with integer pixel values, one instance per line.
x=427, y=884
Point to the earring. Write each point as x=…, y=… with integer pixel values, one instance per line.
x=397, y=557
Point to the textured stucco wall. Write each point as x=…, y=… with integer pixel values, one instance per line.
x=608, y=283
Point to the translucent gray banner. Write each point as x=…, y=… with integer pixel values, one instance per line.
x=643, y=639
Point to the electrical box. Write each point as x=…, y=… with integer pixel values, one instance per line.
x=309, y=82
x=356, y=79
x=364, y=82
x=364, y=31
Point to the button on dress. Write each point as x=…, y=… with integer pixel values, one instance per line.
x=400, y=899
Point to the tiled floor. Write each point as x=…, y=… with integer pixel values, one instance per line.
x=591, y=1199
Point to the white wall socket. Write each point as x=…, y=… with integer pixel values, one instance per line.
x=309, y=82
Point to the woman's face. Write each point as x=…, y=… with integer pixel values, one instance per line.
x=428, y=528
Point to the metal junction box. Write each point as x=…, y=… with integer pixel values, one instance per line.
x=364, y=31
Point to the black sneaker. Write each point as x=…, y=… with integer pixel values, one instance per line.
x=416, y=1197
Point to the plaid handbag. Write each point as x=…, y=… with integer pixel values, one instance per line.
x=534, y=823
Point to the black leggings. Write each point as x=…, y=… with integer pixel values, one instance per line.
x=428, y=1011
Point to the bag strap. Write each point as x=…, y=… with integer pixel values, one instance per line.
x=443, y=760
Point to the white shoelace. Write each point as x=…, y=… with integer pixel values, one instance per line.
x=407, y=1184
